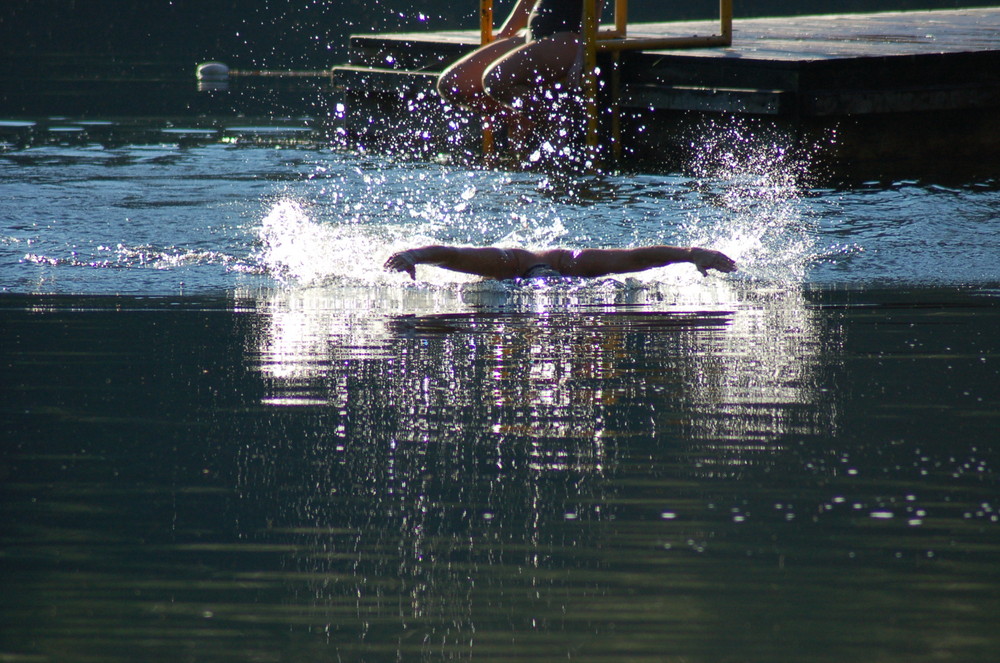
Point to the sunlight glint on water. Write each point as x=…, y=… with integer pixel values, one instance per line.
x=754, y=187
x=755, y=215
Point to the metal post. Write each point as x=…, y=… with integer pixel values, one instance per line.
x=486, y=21
x=616, y=108
x=726, y=21
x=590, y=75
x=486, y=37
x=621, y=18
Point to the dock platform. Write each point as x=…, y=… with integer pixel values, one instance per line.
x=866, y=95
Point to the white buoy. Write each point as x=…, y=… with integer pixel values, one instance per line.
x=212, y=76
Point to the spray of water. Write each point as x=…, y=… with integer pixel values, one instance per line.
x=755, y=201
x=743, y=194
x=346, y=224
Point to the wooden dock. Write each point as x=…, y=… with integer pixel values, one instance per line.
x=865, y=95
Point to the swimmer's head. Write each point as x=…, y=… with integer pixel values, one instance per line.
x=540, y=271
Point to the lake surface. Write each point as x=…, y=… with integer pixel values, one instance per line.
x=230, y=436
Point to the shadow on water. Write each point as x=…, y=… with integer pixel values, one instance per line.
x=748, y=474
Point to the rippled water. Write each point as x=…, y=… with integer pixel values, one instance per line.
x=162, y=219
x=229, y=435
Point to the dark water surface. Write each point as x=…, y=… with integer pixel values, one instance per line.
x=800, y=476
x=228, y=435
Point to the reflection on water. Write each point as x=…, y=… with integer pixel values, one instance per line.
x=486, y=437
x=747, y=354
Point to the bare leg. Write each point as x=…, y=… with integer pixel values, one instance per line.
x=519, y=79
x=532, y=79
x=462, y=83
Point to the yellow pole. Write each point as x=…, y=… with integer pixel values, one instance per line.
x=590, y=74
x=621, y=18
x=621, y=32
x=486, y=21
x=485, y=37
x=616, y=120
x=726, y=20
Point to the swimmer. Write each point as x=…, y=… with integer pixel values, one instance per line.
x=496, y=263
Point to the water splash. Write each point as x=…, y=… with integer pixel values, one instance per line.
x=344, y=229
x=744, y=195
x=755, y=200
x=292, y=247
x=297, y=248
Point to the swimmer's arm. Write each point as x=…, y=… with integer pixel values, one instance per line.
x=517, y=19
x=488, y=262
x=600, y=262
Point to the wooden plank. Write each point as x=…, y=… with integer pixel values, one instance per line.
x=706, y=99
x=857, y=35
x=771, y=53
x=905, y=100
x=929, y=70
x=797, y=38
x=406, y=52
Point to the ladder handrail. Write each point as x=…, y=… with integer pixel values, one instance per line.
x=594, y=41
x=617, y=38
